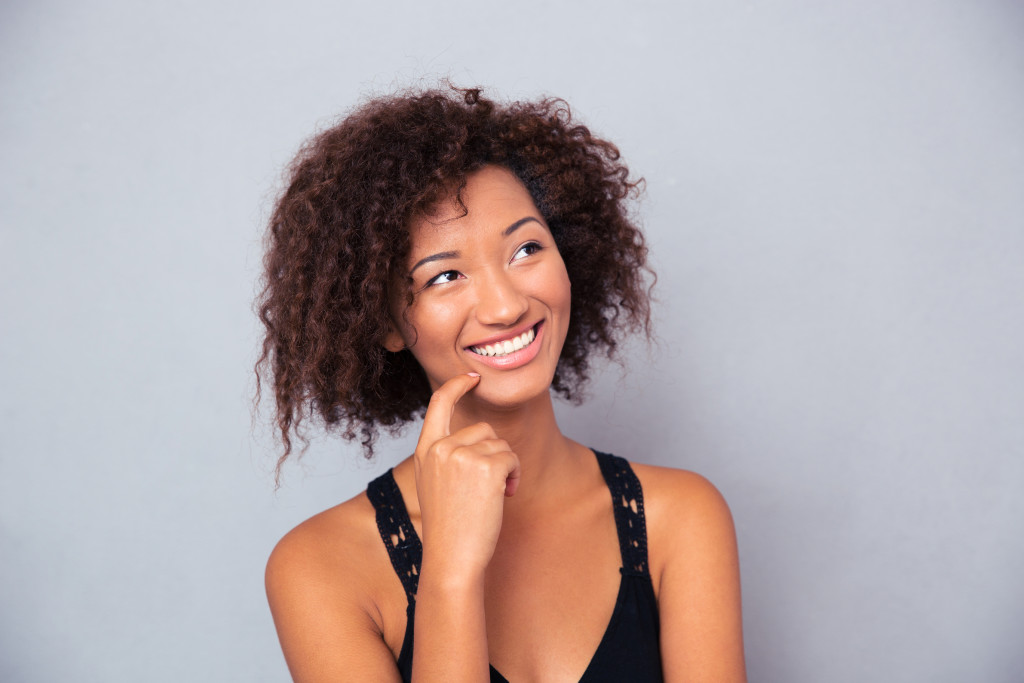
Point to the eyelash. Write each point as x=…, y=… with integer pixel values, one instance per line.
x=535, y=245
x=437, y=278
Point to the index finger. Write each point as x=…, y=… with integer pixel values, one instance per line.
x=437, y=421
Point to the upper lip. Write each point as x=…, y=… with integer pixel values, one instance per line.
x=505, y=336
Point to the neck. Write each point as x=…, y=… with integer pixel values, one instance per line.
x=546, y=456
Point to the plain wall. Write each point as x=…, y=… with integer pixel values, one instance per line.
x=835, y=209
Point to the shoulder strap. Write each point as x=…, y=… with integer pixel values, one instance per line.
x=397, y=532
x=628, y=503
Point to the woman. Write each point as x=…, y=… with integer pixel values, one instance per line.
x=437, y=254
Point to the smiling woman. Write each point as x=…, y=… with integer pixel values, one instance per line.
x=341, y=229
x=437, y=254
x=491, y=296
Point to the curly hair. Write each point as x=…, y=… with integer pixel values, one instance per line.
x=338, y=236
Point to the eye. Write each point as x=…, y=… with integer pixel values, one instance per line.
x=441, y=278
x=528, y=249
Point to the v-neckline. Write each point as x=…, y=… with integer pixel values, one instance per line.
x=498, y=677
x=616, y=612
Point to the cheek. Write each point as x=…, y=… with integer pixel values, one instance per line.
x=561, y=287
x=429, y=326
x=431, y=333
x=567, y=286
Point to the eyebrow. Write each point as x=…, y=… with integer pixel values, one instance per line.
x=518, y=224
x=434, y=257
x=442, y=255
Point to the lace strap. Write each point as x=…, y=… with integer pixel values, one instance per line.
x=628, y=503
x=397, y=532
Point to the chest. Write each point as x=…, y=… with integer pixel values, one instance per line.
x=550, y=596
x=552, y=588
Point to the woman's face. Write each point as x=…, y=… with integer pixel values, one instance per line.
x=490, y=292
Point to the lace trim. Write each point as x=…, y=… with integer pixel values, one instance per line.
x=628, y=504
x=397, y=532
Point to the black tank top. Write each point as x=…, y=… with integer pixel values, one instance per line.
x=629, y=649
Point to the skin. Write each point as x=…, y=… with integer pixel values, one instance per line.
x=511, y=574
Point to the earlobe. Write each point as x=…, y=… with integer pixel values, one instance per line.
x=393, y=341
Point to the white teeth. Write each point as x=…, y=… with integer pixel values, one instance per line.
x=503, y=348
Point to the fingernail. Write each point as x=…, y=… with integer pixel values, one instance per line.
x=473, y=374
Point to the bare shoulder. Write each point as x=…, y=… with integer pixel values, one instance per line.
x=686, y=515
x=694, y=565
x=673, y=495
x=327, y=587
x=319, y=550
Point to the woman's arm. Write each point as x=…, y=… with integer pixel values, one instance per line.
x=461, y=483
x=693, y=549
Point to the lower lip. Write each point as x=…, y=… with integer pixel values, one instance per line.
x=515, y=359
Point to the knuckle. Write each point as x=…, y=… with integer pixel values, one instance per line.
x=485, y=428
x=485, y=467
x=464, y=456
x=440, y=449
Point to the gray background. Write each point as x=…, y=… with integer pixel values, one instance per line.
x=835, y=207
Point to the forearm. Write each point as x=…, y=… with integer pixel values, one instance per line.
x=450, y=642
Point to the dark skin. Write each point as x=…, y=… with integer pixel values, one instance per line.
x=520, y=555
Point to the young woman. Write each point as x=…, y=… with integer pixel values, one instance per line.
x=438, y=254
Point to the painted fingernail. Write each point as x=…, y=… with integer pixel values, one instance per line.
x=473, y=374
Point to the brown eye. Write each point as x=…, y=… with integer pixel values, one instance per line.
x=528, y=249
x=446, y=276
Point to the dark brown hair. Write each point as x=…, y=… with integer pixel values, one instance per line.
x=338, y=235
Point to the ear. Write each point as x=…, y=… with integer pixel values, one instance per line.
x=393, y=341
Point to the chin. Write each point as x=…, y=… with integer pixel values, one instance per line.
x=494, y=393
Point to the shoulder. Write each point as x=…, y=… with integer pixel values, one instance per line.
x=326, y=583
x=309, y=561
x=694, y=566
x=686, y=517
x=679, y=492
x=325, y=542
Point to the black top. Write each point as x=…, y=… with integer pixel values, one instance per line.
x=629, y=649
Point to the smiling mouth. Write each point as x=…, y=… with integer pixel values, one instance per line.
x=507, y=346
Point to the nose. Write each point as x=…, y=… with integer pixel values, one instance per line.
x=500, y=301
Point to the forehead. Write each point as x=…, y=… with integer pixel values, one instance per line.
x=492, y=198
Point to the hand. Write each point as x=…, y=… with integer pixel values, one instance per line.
x=461, y=481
